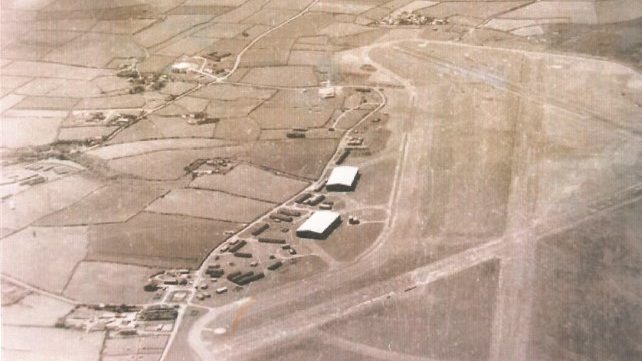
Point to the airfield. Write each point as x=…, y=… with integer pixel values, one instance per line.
x=160, y=156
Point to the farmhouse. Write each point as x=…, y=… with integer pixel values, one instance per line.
x=343, y=178
x=319, y=225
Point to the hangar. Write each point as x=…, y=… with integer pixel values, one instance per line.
x=343, y=178
x=319, y=225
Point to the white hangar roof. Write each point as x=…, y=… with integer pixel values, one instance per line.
x=343, y=176
x=319, y=222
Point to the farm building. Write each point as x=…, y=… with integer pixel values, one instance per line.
x=319, y=225
x=343, y=178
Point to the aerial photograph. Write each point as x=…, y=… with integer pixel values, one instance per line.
x=343, y=180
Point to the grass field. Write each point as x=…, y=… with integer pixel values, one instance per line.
x=83, y=133
x=209, y=204
x=303, y=158
x=287, y=118
x=252, y=182
x=151, y=239
x=99, y=282
x=43, y=199
x=167, y=165
x=35, y=310
x=27, y=255
x=132, y=346
x=232, y=92
x=449, y=319
x=349, y=241
x=309, y=349
x=110, y=204
x=241, y=129
x=150, y=146
x=580, y=306
x=48, y=343
x=295, y=76
x=22, y=132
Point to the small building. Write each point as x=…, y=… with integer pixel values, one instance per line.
x=319, y=225
x=183, y=67
x=343, y=178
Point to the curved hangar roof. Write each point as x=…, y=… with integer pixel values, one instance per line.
x=318, y=223
x=343, y=176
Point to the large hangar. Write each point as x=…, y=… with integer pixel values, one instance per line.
x=319, y=225
x=343, y=178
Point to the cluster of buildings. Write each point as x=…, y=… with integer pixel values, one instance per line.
x=411, y=18
x=122, y=319
x=200, y=118
x=117, y=318
x=174, y=277
x=201, y=167
x=140, y=82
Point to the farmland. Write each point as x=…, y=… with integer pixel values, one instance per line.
x=160, y=158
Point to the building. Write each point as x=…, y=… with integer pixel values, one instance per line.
x=183, y=67
x=319, y=225
x=343, y=178
x=327, y=92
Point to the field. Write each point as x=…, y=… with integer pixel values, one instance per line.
x=95, y=50
x=59, y=88
x=295, y=76
x=164, y=30
x=35, y=310
x=304, y=159
x=349, y=241
x=22, y=132
x=46, y=102
x=151, y=239
x=100, y=282
x=233, y=108
x=47, y=343
x=209, y=204
x=110, y=204
x=137, y=148
x=449, y=319
x=233, y=92
x=169, y=127
x=129, y=101
x=83, y=133
x=221, y=30
x=579, y=309
x=241, y=129
x=343, y=7
x=280, y=118
x=471, y=8
x=375, y=183
x=308, y=349
x=251, y=182
x=38, y=201
x=151, y=346
x=166, y=165
x=306, y=98
x=498, y=197
x=51, y=70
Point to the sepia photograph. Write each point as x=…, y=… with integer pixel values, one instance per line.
x=322, y=180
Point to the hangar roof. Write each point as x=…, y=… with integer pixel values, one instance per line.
x=319, y=222
x=343, y=175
